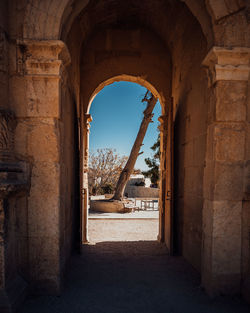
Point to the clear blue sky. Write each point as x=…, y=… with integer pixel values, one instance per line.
x=117, y=112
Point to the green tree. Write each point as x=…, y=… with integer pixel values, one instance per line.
x=153, y=163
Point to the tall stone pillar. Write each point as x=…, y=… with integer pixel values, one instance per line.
x=226, y=157
x=36, y=92
x=84, y=178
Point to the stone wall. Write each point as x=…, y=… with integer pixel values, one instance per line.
x=246, y=250
x=37, y=75
x=189, y=92
x=225, y=170
x=4, y=54
x=121, y=54
x=246, y=205
x=141, y=192
x=69, y=179
x=14, y=258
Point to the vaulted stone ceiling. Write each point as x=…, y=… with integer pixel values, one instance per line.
x=160, y=16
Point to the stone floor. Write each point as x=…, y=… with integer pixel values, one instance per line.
x=130, y=277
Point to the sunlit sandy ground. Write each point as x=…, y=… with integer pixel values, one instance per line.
x=138, y=225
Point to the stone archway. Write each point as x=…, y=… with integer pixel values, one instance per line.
x=101, y=66
x=211, y=122
x=88, y=119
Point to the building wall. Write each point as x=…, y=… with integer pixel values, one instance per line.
x=246, y=250
x=4, y=36
x=69, y=178
x=246, y=204
x=125, y=54
x=190, y=126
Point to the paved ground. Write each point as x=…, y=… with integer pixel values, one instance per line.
x=123, y=229
x=130, y=277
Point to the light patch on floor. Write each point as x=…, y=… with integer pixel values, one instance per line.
x=123, y=229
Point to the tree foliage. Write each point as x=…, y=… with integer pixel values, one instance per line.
x=105, y=166
x=153, y=164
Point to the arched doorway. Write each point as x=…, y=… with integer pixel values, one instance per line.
x=117, y=112
x=130, y=86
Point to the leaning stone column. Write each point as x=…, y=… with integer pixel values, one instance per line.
x=228, y=72
x=36, y=90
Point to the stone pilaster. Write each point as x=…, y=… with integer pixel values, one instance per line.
x=37, y=100
x=84, y=184
x=162, y=192
x=228, y=73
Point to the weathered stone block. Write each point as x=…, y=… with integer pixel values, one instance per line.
x=210, y=143
x=38, y=139
x=231, y=100
x=229, y=140
x=228, y=181
x=246, y=250
x=43, y=97
x=245, y=239
x=247, y=152
x=18, y=97
x=3, y=88
x=44, y=199
x=21, y=211
x=193, y=180
x=227, y=237
x=21, y=137
x=218, y=8
x=200, y=150
x=43, y=140
x=248, y=102
x=221, y=252
x=211, y=99
x=188, y=153
x=36, y=96
x=45, y=264
x=247, y=180
x=208, y=180
x=207, y=218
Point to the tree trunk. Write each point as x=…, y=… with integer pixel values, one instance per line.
x=128, y=168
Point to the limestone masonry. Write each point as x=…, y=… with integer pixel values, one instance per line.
x=55, y=56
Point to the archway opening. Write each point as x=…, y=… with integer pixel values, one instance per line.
x=117, y=112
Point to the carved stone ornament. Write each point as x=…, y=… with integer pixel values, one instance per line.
x=42, y=57
x=227, y=64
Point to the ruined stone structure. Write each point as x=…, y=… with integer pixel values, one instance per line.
x=55, y=56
